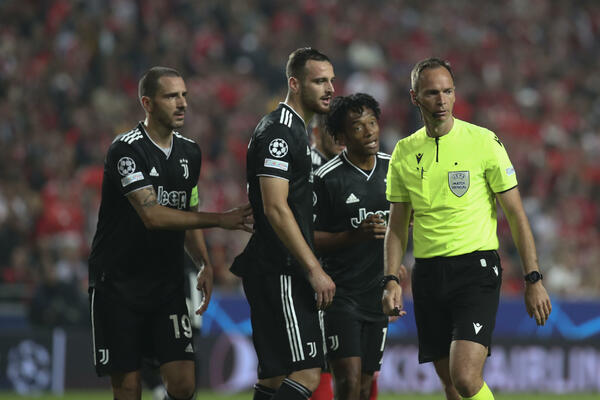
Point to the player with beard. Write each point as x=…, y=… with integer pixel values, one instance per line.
x=280, y=273
x=351, y=212
x=147, y=219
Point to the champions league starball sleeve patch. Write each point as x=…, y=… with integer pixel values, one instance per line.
x=278, y=148
x=125, y=166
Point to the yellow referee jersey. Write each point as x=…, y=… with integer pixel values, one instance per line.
x=450, y=183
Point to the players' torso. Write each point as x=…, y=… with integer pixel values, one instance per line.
x=279, y=148
x=124, y=252
x=346, y=195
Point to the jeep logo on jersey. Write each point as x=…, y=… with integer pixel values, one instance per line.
x=173, y=199
x=458, y=181
x=363, y=214
x=184, y=165
x=278, y=148
x=125, y=166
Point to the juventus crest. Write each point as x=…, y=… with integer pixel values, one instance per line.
x=184, y=164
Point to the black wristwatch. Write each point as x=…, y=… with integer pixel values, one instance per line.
x=533, y=277
x=388, y=278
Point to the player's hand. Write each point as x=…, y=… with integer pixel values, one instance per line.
x=537, y=302
x=372, y=227
x=238, y=218
x=323, y=286
x=204, y=286
x=392, y=300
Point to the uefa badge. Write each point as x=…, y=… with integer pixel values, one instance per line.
x=125, y=166
x=278, y=148
x=458, y=181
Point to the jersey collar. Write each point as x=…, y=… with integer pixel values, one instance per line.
x=368, y=176
x=294, y=111
x=166, y=152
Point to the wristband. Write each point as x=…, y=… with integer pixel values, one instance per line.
x=388, y=278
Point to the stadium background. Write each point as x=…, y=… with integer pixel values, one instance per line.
x=68, y=84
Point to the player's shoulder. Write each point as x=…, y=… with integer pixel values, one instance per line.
x=127, y=141
x=281, y=121
x=330, y=167
x=188, y=144
x=383, y=156
x=185, y=140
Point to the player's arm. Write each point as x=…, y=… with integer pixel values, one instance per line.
x=274, y=194
x=195, y=247
x=372, y=227
x=154, y=216
x=537, y=301
x=396, y=240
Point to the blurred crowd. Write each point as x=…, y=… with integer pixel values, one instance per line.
x=526, y=69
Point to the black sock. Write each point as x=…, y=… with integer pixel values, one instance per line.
x=262, y=392
x=292, y=390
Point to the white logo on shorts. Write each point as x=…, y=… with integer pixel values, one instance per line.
x=104, y=356
x=477, y=326
x=335, y=343
x=312, y=349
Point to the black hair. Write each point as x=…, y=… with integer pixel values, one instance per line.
x=342, y=105
x=148, y=84
x=433, y=62
x=298, y=59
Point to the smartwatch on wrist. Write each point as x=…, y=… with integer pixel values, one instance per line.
x=388, y=278
x=533, y=277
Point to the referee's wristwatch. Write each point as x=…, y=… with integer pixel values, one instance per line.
x=388, y=278
x=533, y=277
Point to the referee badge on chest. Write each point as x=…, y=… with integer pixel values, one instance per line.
x=458, y=181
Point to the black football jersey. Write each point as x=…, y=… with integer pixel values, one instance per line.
x=317, y=158
x=140, y=266
x=279, y=147
x=345, y=196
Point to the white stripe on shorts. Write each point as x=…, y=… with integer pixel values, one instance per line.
x=291, y=322
x=93, y=327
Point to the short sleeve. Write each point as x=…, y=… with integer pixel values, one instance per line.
x=322, y=207
x=274, y=152
x=499, y=171
x=126, y=168
x=395, y=190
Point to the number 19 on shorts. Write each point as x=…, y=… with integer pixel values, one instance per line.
x=186, y=325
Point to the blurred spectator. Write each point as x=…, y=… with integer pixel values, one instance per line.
x=68, y=73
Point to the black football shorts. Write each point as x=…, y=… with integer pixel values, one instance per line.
x=455, y=298
x=348, y=336
x=286, y=326
x=122, y=336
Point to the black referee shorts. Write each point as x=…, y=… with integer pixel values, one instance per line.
x=286, y=326
x=455, y=298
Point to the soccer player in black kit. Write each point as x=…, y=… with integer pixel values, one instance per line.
x=149, y=189
x=351, y=213
x=280, y=273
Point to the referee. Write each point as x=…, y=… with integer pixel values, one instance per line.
x=450, y=173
